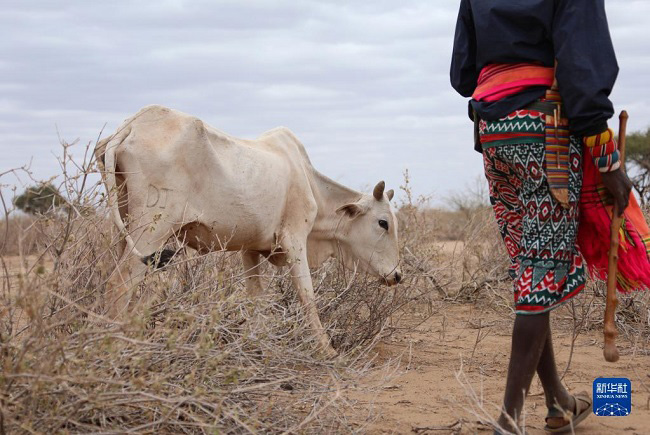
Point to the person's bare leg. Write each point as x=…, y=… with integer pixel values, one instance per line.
x=554, y=391
x=528, y=340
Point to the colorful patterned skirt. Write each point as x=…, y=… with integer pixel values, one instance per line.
x=540, y=235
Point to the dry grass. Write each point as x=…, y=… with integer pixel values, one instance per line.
x=201, y=356
x=19, y=233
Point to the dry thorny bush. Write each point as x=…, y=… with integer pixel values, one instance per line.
x=199, y=356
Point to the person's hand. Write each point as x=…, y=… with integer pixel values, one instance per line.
x=619, y=186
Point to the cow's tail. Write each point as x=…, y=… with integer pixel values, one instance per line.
x=109, y=154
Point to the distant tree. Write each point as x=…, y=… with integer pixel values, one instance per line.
x=40, y=199
x=638, y=153
x=472, y=198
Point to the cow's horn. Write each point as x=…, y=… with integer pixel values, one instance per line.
x=390, y=194
x=378, y=193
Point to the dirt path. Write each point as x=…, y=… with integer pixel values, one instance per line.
x=425, y=396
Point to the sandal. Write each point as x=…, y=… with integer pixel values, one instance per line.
x=558, y=420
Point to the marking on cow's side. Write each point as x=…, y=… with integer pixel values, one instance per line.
x=157, y=196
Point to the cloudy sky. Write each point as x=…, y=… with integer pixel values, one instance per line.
x=364, y=83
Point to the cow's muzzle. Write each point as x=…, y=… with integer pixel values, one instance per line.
x=394, y=278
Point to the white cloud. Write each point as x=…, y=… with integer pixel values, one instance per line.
x=363, y=84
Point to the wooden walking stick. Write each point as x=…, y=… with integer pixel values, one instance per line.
x=610, y=351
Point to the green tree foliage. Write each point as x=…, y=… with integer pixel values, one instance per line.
x=40, y=199
x=638, y=154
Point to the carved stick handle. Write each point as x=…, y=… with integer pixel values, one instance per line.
x=610, y=351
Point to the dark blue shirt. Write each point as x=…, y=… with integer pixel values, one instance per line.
x=575, y=32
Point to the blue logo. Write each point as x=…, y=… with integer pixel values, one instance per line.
x=612, y=397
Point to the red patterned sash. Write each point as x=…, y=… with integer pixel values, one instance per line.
x=500, y=80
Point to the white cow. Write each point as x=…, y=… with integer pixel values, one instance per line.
x=169, y=174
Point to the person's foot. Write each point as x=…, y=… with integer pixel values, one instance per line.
x=504, y=426
x=561, y=420
x=567, y=401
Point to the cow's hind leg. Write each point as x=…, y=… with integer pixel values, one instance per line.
x=251, y=263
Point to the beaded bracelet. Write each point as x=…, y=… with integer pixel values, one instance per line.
x=608, y=163
x=598, y=139
x=604, y=150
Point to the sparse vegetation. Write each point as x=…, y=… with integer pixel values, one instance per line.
x=200, y=356
x=638, y=153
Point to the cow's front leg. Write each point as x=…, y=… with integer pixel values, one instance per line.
x=301, y=279
x=122, y=283
x=251, y=263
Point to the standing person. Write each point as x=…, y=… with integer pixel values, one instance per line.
x=506, y=56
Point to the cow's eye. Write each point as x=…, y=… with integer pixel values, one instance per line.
x=383, y=224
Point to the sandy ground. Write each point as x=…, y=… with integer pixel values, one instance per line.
x=424, y=396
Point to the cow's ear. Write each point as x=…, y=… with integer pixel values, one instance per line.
x=390, y=194
x=352, y=210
